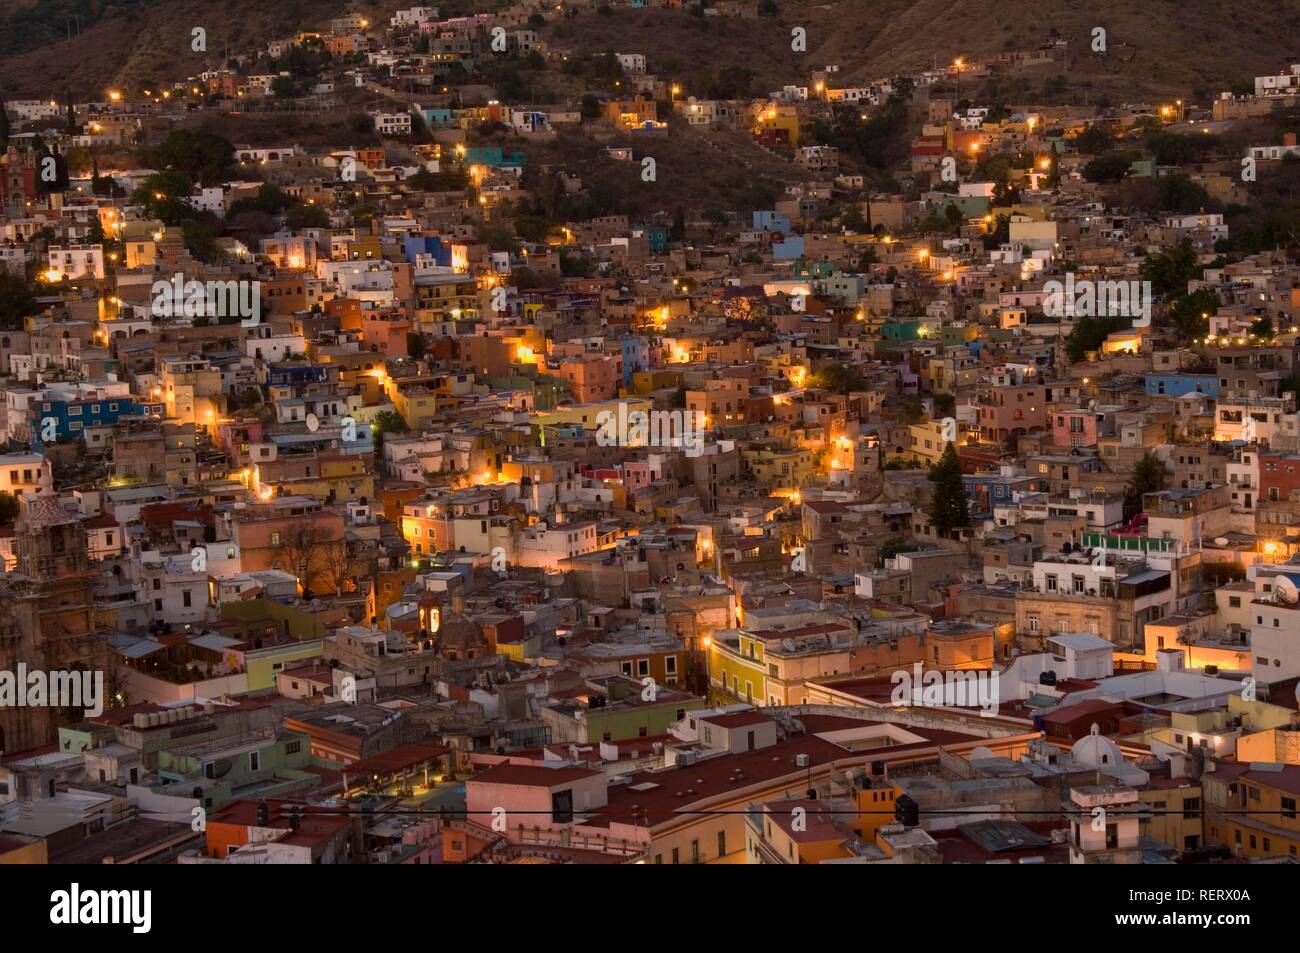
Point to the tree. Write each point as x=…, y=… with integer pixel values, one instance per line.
x=839, y=378
x=8, y=508
x=336, y=561
x=200, y=156
x=17, y=300
x=387, y=421
x=299, y=552
x=1170, y=271
x=1190, y=313
x=678, y=231
x=1148, y=476
x=1090, y=332
x=1111, y=167
x=306, y=216
x=949, y=509
x=1094, y=140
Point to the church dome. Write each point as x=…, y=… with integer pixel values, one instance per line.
x=1096, y=750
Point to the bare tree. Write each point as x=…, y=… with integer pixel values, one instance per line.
x=335, y=562
x=300, y=552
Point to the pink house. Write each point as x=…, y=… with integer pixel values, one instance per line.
x=385, y=334
x=1074, y=428
x=535, y=800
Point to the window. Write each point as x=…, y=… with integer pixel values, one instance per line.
x=254, y=761
x=293, y=747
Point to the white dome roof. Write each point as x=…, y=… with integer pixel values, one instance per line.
x=1096, y=750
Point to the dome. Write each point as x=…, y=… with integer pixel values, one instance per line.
x=1096, y=750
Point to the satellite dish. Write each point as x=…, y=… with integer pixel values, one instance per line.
x=313, y=423
x=1220, y=541
x=1286, y=589
x=981, y=753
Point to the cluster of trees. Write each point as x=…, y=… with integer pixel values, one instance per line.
x=879, y=142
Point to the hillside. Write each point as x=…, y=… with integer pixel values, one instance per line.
x=144, y=40
x=1160, y=48
x=1164, y=47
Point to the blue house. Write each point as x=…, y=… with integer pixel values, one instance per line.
x=1182, y=385
x=50, y=420
x=636, y=357
x=789, y=249
x=415, y=245
x=769, y=220
x=657, y=236
x=493, y=156
x=814, y=270
x=440, y=118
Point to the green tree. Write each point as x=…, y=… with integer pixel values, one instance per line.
x=201, y=156
x=839, y=378
x=1111, y=167
x=17, y=300
x=1170, y=271
x=1148, y=476
x=949, y=509
x=307, y=216
x=8, y=508
x=1190, y=313
x=1089, y=332
x=386, y=422
x=677, y=232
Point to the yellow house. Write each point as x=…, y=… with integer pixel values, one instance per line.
x=365, y=249
x=343, y=477
x=927, y=441
x=781, y=466
x=1251, y=811
x=737, y=668
x=588, y=416
x=647, y=382
x=1175, y=812
x=442, y=299
x=418, y=405
x=801, y=831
